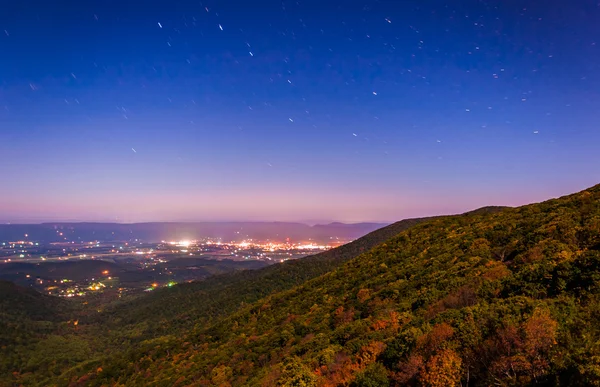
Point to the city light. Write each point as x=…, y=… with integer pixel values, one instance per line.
x=96, y=286
x=153, y=257
x=185, y=243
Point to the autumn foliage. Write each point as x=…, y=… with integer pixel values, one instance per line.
x=506, y=297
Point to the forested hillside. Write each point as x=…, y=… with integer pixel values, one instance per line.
x=31, y=345
x=188, y=305
x=496, y=296
x=500, y=298
x=27, y=318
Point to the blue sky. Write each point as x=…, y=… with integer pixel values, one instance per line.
x=270, y=110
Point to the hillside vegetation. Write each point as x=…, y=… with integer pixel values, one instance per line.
x=188, y=305
x=504, y=297
x=27, y=318
x=488, y=298
x=48, y=327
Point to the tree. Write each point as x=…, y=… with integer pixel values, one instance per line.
x=295, y=374
x=540, y=337
x=442, y=370
x=375, y=375
x=221, y=376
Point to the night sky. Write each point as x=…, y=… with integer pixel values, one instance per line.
x=293, y=110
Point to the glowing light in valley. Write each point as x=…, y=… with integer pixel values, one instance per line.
x=96, y=286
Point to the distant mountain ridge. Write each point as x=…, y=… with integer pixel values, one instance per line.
x=158, y=231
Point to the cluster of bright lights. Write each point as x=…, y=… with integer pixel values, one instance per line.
x=156, y=285
x=312, y=246
x=245, y=244
x=185, y=243
x=97, y=286
x=272, y=246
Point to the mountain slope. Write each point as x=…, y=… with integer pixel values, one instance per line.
x=167, y=313
x=26, y=303
x=503, y=298
x=26, y=319
x=187, y=305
